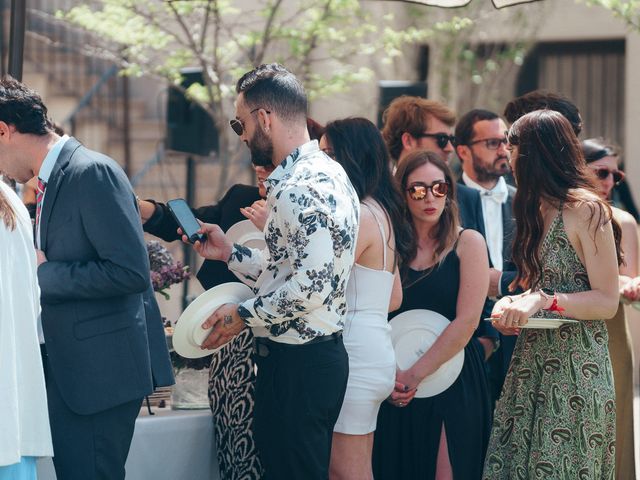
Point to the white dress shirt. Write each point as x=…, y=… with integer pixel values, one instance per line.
x=492, y=201
x=45, y=171
x=311, y=232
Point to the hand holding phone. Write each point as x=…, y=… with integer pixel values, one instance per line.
x=185, y=219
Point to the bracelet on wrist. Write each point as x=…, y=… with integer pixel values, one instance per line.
x=550, y=297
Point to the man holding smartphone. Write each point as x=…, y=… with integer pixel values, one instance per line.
x=297, y=316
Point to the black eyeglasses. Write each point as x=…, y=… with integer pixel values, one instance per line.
x=603, y=173
x=491, y=143
x=238, y=125
x=442, y=139
x=419, y=191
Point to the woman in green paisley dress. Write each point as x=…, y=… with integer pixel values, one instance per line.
x=556, y=416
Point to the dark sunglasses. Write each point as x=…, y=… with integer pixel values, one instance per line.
x=603, y=174
x=491, y=143
x=419, y=190
x=442, y=139
x=238, y=126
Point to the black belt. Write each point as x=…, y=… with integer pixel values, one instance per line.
x=263, y=344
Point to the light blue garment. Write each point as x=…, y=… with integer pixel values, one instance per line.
x=25, y=470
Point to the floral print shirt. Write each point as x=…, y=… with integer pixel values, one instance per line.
x=311, y=233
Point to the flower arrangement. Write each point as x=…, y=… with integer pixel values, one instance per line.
x=164, y=272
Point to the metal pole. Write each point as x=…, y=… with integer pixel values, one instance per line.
x=16, y=40
x=187, y=251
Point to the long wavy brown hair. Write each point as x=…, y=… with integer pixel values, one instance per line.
x=446, y=232
x=550, y=166
x=7, y=214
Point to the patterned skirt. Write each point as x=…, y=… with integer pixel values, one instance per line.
x=231, y=396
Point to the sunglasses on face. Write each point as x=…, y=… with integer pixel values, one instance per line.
x=419, y=190
x=491, y=143
x=603, y=174
x=442, y=139
x=238, y=125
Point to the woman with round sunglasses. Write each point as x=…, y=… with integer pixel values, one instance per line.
x=374, y=289
x=602, y=160
x=443, y=436
x=556, y=415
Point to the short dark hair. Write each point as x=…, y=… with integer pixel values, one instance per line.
x=274, y=88
x=595, y=149
x=23, y=108
x=464, y=128
x=540, y=100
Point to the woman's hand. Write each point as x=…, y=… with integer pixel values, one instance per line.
x=257, y=213
x=516, y=314
x=496, y=313
x=402, y=393
x=630, y=291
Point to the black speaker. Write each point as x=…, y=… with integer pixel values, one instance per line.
x=190, y=129
x=390, y=89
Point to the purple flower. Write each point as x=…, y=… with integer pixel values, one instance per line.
x=164, y=272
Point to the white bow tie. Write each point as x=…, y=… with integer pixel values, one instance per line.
x=497, y=195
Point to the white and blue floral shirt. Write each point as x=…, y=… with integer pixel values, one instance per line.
x=311, y=234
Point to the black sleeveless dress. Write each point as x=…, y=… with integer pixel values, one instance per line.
x=406, y=439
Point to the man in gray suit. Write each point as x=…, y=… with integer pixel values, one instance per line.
x=102, y=351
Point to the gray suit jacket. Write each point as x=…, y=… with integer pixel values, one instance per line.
x=104, y=347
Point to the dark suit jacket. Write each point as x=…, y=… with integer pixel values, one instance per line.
x=509, y=229
x=225, y=214
x=104, y=350
x=470, y=208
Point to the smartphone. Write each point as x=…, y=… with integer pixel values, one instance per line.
x=185, y=219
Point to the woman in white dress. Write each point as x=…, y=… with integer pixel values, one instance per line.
x=24, y=422
x=373, y=290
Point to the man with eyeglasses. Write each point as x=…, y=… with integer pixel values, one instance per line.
x=412, y=123
x=301, y=278
x=481, y=147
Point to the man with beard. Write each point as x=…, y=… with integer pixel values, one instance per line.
x=301, y=277
x=481, y=146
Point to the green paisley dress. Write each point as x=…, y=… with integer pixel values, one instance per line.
x=556, y=416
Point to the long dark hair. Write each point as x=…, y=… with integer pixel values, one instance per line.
x=550, y=166
x=358, y=146
x=446, y=232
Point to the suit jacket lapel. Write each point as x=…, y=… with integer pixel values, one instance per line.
x=53, y=186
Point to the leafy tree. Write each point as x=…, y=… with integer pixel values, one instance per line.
x=320, y=40
x=627, y=10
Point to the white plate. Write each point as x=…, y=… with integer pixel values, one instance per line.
x=245, y=233
x=412, y=333
x=544, y=323
x=188, y=333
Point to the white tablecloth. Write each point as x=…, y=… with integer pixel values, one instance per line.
x=171, y=445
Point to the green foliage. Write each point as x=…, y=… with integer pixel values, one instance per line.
x=160, y=37
x=627, y=10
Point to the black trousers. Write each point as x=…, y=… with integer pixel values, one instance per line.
x=89, y=447
x=299, y=393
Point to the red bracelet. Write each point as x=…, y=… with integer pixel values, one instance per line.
x=555, y=307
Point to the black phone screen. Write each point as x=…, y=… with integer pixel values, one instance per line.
x=185, y=219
